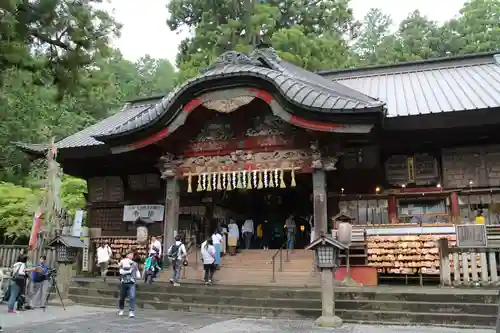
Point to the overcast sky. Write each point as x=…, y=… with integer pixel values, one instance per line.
x=145, y=31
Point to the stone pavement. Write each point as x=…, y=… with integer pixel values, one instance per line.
x=80, y=319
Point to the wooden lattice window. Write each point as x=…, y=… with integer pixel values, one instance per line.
x=144, y=181
x=106, y=189
x=97, y=189
x=108, y=219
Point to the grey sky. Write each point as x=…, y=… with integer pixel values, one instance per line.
x=145, y=31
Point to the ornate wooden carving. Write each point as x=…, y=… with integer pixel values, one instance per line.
x=319, y=160
x=244, y=160
x=268, y=125
x=168, y=165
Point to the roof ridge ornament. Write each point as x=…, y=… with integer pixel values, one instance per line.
x=233, y=58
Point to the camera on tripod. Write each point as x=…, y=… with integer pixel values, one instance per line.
x=52, y=271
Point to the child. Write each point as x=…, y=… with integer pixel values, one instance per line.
x=151, y=268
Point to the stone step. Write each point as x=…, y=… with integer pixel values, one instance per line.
x=381, y=317
x=315, y=303
x=393, y=293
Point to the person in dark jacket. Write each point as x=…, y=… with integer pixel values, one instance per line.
x=267, y=233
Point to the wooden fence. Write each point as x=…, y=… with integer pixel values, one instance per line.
x=468, y=266
x=9, y=254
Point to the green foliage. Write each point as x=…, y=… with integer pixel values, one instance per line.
x=72, y=194
x=302, y=31
x=57, y=39
x=17, y=206
x=475, y=29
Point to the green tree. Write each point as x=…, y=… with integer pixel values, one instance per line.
x=222, y=25
x=475, y=29
x=375, y=27
x=57, y=39
x=17, y=206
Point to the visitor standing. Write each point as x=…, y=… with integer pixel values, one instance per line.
x=39, y=284
x=155, y=247
x=208, y=256
x=267, y=233
x=177, y=253
x=248, y=231
x=104, y=254
x=234, y=236
x=18, y=282
x=129, y=273
x=217, y=243
x=290, y=231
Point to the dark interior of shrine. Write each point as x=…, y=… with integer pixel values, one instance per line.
x=271, y=204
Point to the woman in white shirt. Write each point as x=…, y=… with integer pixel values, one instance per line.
x=216, y=241
x=234, y=235
x=208, y=255
x=18, y=281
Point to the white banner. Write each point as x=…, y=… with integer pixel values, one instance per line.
x=147, y=212
x=77, y=230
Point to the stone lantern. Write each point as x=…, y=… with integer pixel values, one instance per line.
x=66, y=248
x=328, y=260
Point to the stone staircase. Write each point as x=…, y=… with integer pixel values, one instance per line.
x=255, y=267
x=473, y=308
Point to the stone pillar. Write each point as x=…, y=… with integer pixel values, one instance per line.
x=171, y=218
x=320, y=202
x=328, y=318
x=454, y=207
x=392, y=209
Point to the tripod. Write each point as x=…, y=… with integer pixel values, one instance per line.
x=53, y=287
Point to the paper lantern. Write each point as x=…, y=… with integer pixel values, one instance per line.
x=142, y=234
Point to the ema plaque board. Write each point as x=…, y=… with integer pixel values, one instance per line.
x=471, y=235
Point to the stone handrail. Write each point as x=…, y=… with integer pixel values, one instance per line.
x=468, y=266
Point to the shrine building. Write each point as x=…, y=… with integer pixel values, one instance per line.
x=258, y=137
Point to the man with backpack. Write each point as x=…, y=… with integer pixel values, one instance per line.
x=177, y=254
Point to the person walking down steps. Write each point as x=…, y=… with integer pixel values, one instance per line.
x=208, y=256
x=104, y=254
x=177, y=254
x=129, y=273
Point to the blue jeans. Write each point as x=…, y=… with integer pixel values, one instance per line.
x=291, y=239
x=218, y=249
x=127, y=290
x=15, y=290
x=176, y=266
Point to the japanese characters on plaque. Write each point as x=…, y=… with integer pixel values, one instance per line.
x=419, y=169
x=471, y=235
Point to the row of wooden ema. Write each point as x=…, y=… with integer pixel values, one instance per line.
x=458, y=273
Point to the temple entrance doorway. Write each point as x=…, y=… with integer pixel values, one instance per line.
x=271, y=204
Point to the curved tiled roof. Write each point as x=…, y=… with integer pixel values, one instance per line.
x=297, y=86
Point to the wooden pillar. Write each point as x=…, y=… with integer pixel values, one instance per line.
x=392, y=209
x=171, y=218
x=454, y=207
x=320, y=202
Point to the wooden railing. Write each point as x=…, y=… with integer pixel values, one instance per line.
x=468, y=266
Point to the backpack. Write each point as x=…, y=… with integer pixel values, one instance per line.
x=173, y=253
